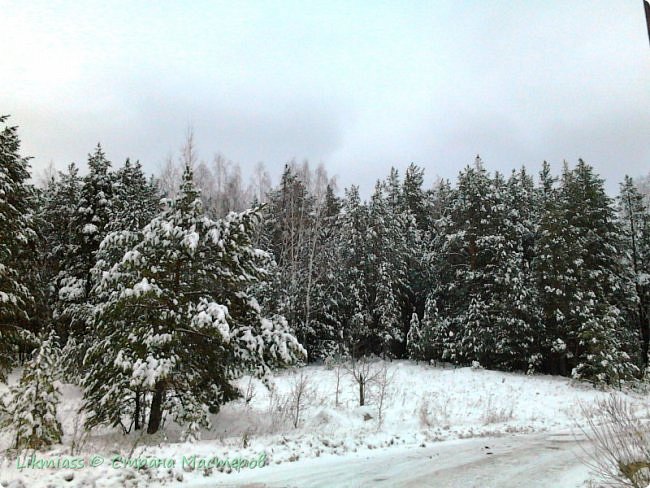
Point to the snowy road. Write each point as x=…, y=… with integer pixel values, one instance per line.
x=539, y=460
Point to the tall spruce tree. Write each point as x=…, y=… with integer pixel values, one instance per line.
x=61, y=243
x=634, y=214
x=553, y=255
x=326, y=292
x=18, y=240
x=465, y=254
x=583, y=286
x=514, y=302
x=353, y=275
x=604, y=338
x=88, y=228
x=416, y=209
x=387, y=261
x=135, y=200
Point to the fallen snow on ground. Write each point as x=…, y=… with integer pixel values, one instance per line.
x=423, y=405
x=531, y=460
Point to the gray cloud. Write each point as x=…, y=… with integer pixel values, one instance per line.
x=360, y=86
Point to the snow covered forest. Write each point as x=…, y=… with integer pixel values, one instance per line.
x=156, y=296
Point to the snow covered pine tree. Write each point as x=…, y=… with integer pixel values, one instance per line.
x=17, y=236
x=176, y=320
x=31, y=411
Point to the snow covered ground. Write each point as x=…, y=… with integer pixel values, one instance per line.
x=462, y=427
x=531, y=460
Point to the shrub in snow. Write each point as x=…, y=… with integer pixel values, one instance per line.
x=30, y=412
x=621, y=441
x=301, y=392
x=176, y=322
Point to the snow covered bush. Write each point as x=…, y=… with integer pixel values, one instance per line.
x=176, y=321
x=30, y=412
x=414, y=339
x=278, y=411
x=494, y=414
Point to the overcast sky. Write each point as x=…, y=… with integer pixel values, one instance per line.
x=358, y=85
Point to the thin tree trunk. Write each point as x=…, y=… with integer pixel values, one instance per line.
x=136, y=414
x=645, y=328
x=362, y=395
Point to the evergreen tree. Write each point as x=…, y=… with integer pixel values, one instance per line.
x=436, y=338
x=465, y=255
x=581, y=281
x=515, y=302
x=483, y=282
x=31, y=412
x=387, y=258
x=18, y=240
x=135, y=201
x=370, y=274
x=176, y=323
x=387, y=311
x=87, y=230
x=416, y=210
x=414, y=339
x=602, y=340
x=354, y=309
x=61, y=244
x=554, y=254
x=634, y=215
x=414, y=198
x=95, y=211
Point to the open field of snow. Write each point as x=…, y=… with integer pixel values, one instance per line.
x=426, y=410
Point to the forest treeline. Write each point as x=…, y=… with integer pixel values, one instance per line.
x=154, y=293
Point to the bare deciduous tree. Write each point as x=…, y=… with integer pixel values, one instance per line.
x=336, y=362
x=189, y=156
x=301, y=391
x=260, y=183
x=169, y=178
x=364, y=371
x=47, y=176
x=382, y=383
